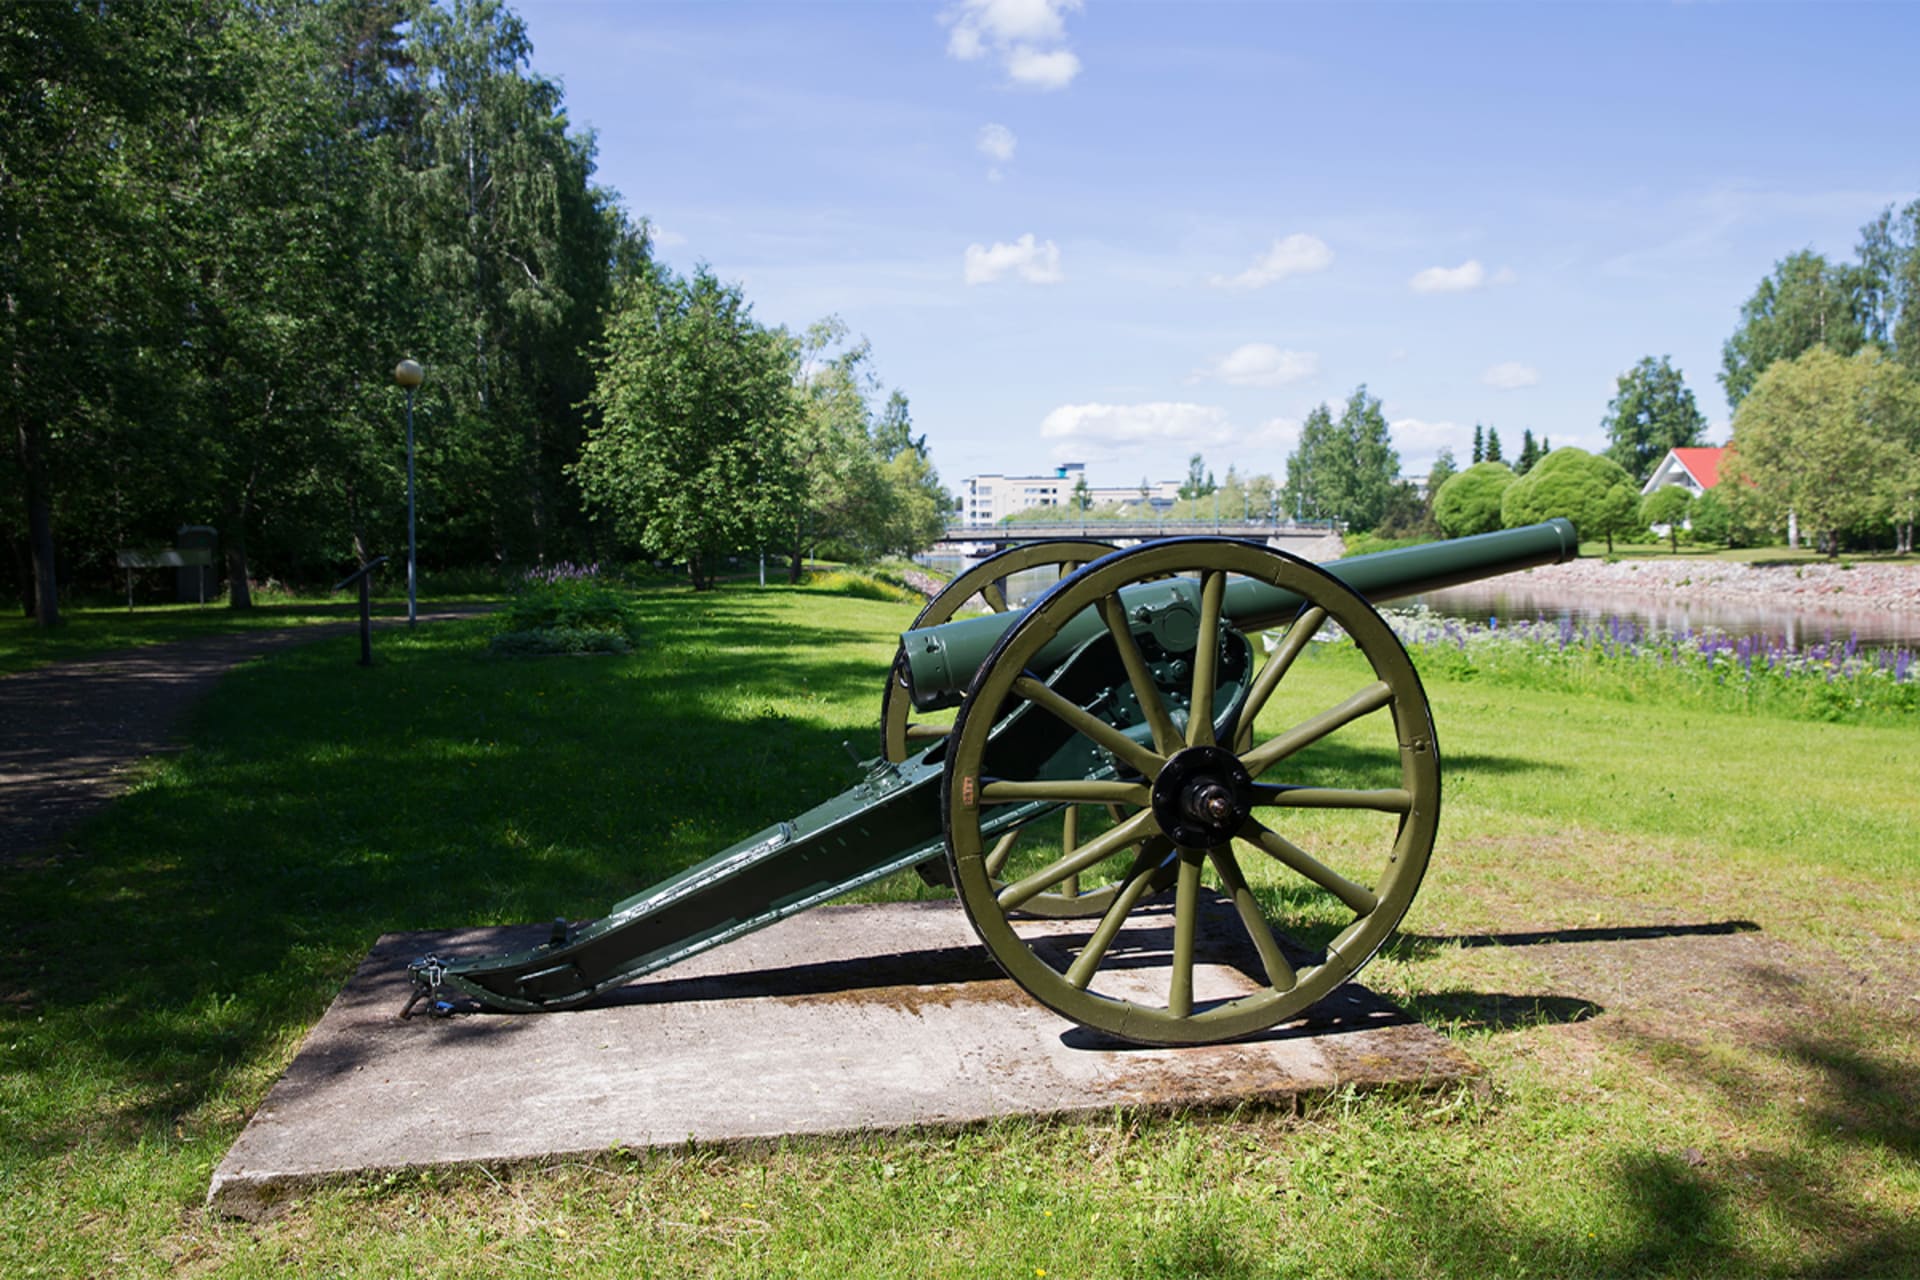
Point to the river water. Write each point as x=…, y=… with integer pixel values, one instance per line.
x=1793, y=626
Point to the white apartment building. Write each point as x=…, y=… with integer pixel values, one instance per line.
x=989, y=499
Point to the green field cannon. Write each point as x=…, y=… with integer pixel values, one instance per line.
x=1138, y=742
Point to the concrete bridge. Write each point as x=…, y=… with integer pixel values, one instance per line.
x=1288, y=535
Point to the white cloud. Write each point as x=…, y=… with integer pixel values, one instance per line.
x=1297, y=254
x=1033, y=262
x=663, y=238
x=1099, y=426
x=996, y=142
x=1054, y=69
x=1026, y=35
x=1511, y=375
x=1261, y=364
x=1465, y=278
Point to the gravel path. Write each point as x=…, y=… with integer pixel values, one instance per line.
x=70, y=731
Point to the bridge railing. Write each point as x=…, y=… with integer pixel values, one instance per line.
x=1096, y=527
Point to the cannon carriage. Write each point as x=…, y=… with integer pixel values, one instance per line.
x=1124, y=755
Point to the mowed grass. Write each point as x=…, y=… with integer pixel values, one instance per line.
x=1678, y=943
x=87, y=630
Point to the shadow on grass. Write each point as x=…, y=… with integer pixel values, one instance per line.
x=1419, y=946
x=1825, y=1118
x=155, y=977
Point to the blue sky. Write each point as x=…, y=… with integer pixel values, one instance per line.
x=1120, y=233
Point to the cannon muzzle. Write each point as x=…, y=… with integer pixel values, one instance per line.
x=942, y=660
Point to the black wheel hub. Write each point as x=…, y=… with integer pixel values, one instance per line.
x=1202, y=797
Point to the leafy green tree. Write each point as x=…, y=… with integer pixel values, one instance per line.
x=1479, y=443
x=1493, y=446
x=1442, y=470
x=1469, y=503
x=1344, y=470
x=1669, y=505
x=1652, y=411
x=87, y=115
x=1711, y=520
x=1529, y=453
x=696, y=406
x=1199, y=482
x=1830, y=439
x=1890, y=261
x=1806, y=302
x=1592, y=491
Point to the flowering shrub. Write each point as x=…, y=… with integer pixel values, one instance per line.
x=1828, y=680
x=568, y=612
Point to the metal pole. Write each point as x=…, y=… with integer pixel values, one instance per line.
x=412, y=612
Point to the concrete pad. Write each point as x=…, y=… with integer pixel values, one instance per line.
x=839, y=1020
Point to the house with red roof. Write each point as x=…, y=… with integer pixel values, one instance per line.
x=1697, y=468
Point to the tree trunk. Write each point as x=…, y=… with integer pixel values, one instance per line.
x=239, y=590
x=22, y=574
x=46, y=593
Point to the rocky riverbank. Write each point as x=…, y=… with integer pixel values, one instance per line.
x=1815, y=585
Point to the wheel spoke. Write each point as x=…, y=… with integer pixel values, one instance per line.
x=1359, y=898
x=1307, y=732
x=1137, y=757
x=1166, y=737
x=1291, y=646
x=925, y=732
x=1186, y=922
x=1094, y=851
x=1206, y=657
x=1002, y=850
x=1390, y=800
x=996, y=598
x=1280, y=974
x=1069, y=841
x=1139, y=880
x=1068, y=791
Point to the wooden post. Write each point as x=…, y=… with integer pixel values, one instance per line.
x=366, y=622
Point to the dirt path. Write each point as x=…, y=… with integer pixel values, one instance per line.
x=70, y=731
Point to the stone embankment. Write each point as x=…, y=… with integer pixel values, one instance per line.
x=1812, y=585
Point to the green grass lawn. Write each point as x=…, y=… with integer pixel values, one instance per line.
x=1735, y=1096
x=86, y=630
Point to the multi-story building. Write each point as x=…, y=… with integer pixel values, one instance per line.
x=989, y=499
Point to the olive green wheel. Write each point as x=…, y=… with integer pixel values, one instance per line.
x=902, y=736
x=1338, y=830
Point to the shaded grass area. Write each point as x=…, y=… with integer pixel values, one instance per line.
x=94, y=629
x=1678, y=941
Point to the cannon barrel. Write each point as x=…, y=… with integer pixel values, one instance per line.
x=942, y=660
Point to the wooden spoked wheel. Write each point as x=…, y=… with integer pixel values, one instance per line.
x=903, y=735
x=1245, y=829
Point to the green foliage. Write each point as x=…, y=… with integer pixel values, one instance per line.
x=1835, y=440
x=1711, y=520
x=1806, y=302
x=1890, y=262
x=1668, y=505
x=1469, y=503
x=1652, y=411
x=545, y=642
x=1592, y=491
x=1343, y=470
x=577, y=605
x=864, y=586
x=690, y=457
x=1199, y=482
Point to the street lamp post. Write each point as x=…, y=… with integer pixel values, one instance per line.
x=410, y=375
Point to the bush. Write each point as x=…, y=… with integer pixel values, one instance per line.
x=863, y=586
x=568, y=614
x=1469, y=503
